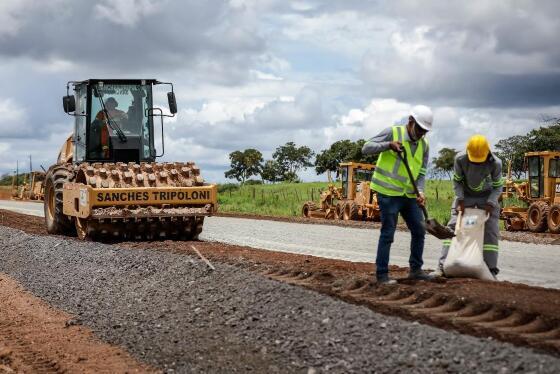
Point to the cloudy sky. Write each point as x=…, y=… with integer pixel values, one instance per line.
x=260, y=73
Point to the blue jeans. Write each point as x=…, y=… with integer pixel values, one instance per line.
x=390, y=207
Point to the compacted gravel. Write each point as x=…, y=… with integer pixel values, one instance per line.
x=173, y=312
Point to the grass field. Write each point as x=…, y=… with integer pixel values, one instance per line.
x=286, y=200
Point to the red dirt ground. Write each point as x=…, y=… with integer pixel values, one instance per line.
x=35, y=338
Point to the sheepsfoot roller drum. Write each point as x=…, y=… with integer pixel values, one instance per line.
x=106, y=183
x=139, y=201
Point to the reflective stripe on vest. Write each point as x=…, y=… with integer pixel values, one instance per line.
x=390, y=176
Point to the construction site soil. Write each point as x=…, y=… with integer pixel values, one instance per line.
x=515, y=313
x=35, y=338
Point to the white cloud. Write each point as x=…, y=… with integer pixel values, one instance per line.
x=11, y=12
x=363, y=123
x=125, y=12
x=231, y=110
x=14, y=120
x=259, y=73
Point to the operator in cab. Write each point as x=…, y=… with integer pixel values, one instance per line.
x=101, y=127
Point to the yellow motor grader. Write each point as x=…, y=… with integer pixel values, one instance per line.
x=541, y=192
x=106, y=182
x=32, y=187
x=353, y=200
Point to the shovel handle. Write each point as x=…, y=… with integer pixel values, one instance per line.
x=425, y=211
x=402, y=156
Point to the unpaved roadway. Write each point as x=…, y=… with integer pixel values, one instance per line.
x=531, y=264
x=170, y=310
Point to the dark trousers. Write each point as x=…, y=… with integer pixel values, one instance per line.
x=390, y=207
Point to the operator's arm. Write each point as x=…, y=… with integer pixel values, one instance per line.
x=497, y=183
x=458, y=179
x=421, y=181
x=378, y=143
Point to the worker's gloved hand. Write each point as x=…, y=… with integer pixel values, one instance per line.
x=489, y=209
x=460, y=208
x=421, y=199
x=396, y=146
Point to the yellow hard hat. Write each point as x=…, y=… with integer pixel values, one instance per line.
x=478, y=148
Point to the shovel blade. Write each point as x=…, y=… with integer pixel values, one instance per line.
x=438, y=230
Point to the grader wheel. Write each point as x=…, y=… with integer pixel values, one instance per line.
x=554, y=219
x=351, y=211
x=537, y=216
x=340, y=210
x=307, y=208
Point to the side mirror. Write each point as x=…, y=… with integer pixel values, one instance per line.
x=69, y=104
x=172, y=102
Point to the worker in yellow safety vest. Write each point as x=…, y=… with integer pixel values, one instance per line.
x=395, y=192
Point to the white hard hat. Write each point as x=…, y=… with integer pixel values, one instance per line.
x=423, y=116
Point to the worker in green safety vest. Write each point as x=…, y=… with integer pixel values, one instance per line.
x=395, y=192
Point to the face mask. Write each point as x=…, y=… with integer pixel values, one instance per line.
x=414, y=136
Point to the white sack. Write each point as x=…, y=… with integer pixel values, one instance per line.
x=465, y=258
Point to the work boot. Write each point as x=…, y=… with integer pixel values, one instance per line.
x=384, y=279
x=438, y=273
x=419, y=274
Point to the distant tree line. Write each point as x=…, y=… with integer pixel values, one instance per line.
x=512, y=149
x=289, y=159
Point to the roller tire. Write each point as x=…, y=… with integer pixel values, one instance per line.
x=55, y=220
x=554, y=219
x=537, y=216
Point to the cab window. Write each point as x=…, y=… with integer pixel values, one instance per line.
x=536, y=176
x=554, y=168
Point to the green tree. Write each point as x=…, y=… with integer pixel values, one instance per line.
x=328, y=159
x=244, y=164
x=292, y=159
x=360, y=157
x=271, y=171
x=545, y=138
x=513, y=150
x=443, y=163
x=342, y=151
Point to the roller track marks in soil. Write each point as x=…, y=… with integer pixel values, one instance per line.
x=515, y=313
x=35, y=338
x=440, y=310
x=509, y=312
x=22, y=354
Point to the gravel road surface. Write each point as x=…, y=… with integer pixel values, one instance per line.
x=171, y=311
x=519, y=262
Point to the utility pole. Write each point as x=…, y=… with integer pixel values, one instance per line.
x=17, y=173
x=30, y=171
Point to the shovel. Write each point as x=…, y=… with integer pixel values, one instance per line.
x=431, y=224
